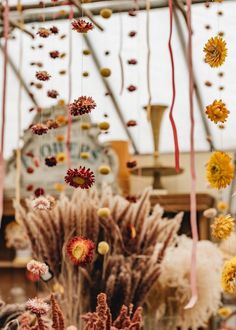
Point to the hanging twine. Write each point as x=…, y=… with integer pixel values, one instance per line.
x=148, y=6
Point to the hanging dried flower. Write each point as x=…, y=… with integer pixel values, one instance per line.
x=220, y=170
x=30, y=170
x=54, y=29
x=54, y=54
x=59, y=187
x=208, y=83
x=131, y=198
x=103, y=248
x=131, y=164
x=38, y=85
x=84, y=104
x=215, y=52
x=132, y=12
x=84, y=155
x=51, y=161
x=61, y=120
x=217, y=112
x=52, y=93
x=86, y=52
x=131, y=88
x=104, y=126
x=80, y=251
x=222, y=227
x=39, y=129
x=105, y=72
x=81, y=26
x=43, y=32
x=39, y=192
x=104, y=169
x=60, y=138
x=106, y=13
x=132, y=61
x=80, y=178
x=222, y=206
x=228, y=276
x=42, y=75
x=37, y=267
x=52, y=124
x=41, y=203
x=37, y=306
x=224, y=311
x=132, y=34
x=131, y=123
x=85, y=74
x=61, y=157
x=104, y=212
x=62, y=72
x=85, y=125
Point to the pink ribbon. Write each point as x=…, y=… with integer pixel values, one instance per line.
x=176, y=143
x=193, y=204
x=4, y=93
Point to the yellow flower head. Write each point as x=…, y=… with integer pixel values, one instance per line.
x=228, y=276
x=61, y=103
x=222, y=227
x=61, y=120
x=217, y=112
x=224, y=311
x=59, y=187
x=61, y=157
x=222, y=206
x=60, y=138
x=215, y=51
x=220, y=170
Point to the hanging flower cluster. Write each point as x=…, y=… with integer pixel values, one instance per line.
x=217, y=112
x=222, y=227
x=220, y=170
x=228, y=276
x=80, y=251
x=84, y=104
x=80, y=178
x=81, y=26
x=37, y=268
x=215, y=51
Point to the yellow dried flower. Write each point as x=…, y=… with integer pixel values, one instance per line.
x=59, y=187
x=228, y=276
x=58, y=288
x=61, y=103
x=105, y=72
x=222, y=227
x=222, y=206
x=104, y=126
x=104, y=169
x=215, y=51
x=217, y=112
x=106, y=13
x=84, y=155
x=86, y=52
x=61, y=120
x=220, y=170
x=61, y=157
x=85, y=125
x=104, y=212
x=224, y=311
x=60, y=138
x=103, y=248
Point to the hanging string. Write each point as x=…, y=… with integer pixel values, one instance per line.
x=193, y=204
x=120, y=56
x=176, y=143
x=4, y=94
x=69, y=124
x=148, y=6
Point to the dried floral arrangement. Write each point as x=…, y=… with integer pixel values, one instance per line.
x=126, y=272
x=173, y=289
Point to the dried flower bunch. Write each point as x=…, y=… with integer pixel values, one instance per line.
x=102, y=318
x=127, y=272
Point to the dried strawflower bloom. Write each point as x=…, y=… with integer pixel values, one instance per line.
x=59, y=187
x=37, y=306
x=132, y=61
x=30, y=170
x=105, y=72
x=132, y=12
x=54, y=29
x=51, y=161
x=208, y=83
x=210, y=213
x=85, y=125
x=104, y=212
x=37, y=267
x=82, y=105
x=228, y=276
x=62, y=120
x=85, y=74
x=43, y=32
x=41, y=203
x=220, y=170
x=42, y=75
x=80, y=251
x=80, y=178
x=222, y=206
x=106, y=13
x=132, y=34
x=60, y=138
x=38, y=85
x=86, y=52
x=39, y=192
x=131, y=163
x=131, y=88
x=131, y=123
x=84, y=155
x=224, y=311
x=52, y=93
x=221, y=74
x=62, y=72
x=222, y=227
x=54, y=54
x=81, y=26
x=52, y=124
x=104, y=169
x=217, y=112
x=103, y=248
x=215, y=51
x=39, y=129
x=61, y=157
x=104, y=126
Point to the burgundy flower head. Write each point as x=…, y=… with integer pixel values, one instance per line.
x=51, y=161
x=54, y=54
x=132, y=61
x=131, y=163
x=54, y=29
x=131, y=123
x=132, y=12
x=132, y=34
x=39, y=192
x=42, y=75
x=81, y=26
x=39, y=129
x=84, y=104
x=82, y=178
x=43, y=32
x=131, y=198
x=131, y=88
x=52, y=93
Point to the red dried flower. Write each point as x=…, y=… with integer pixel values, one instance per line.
x=81, y=26
x=37, y=306
x=84, y=104
x=39, y=129
x=52, y=93
x=30, y=154
x=131, y=164
x=52, y=124
x=82, y=178
x=51, y=161
x=131, y=199
x=132, y=34
x=30, y=187
x=54, y=54
x=43, y=32
x=42, y=75
x=131, y=123
x=39, y=192
x=30, y=170
x=54, y=29
x=132, y=12
x=80, y=251
x=132, y=61
x=131, y=88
